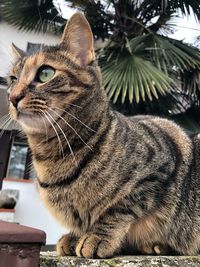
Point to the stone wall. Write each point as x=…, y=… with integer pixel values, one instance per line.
x=49, y=259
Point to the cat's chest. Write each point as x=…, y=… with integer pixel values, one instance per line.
x=69, y=208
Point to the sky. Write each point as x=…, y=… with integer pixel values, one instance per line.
x=187, y=27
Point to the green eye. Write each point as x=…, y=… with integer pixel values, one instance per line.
x=45, y=74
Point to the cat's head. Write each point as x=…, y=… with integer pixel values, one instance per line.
x=44, y=84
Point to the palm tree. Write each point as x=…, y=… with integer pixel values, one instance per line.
x=140, y=63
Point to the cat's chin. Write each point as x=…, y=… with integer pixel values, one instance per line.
x=31, y=123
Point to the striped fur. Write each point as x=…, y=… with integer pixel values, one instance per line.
x=124, y=185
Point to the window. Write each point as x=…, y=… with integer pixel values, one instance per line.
x=20, y=165
x=17, y=161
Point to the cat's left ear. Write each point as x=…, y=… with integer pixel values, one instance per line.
x=17, y=52
x=78, y=39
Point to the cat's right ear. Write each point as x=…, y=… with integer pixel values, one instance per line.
x=78, y=39
x=17, y=52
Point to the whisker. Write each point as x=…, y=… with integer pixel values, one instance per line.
x=16, y=127
x=5, y=122
x=59, y=141
x=70, y=148
x=45, y=128
x=30, y=168
x=71, y=128
x=74, y=105
x=5, y=126
x=5, y=117
x=76, y=119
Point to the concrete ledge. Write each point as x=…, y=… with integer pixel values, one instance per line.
x=49, y=259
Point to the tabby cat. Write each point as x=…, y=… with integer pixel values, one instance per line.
x=121, y=185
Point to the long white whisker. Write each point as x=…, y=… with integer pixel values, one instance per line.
x=70, y=127
x=45, y=127
x=70, y=148
x=74, y=105
x=59, y=141
x=5, y=126
x=5, y=117
x=76, y=119
x=16, y=126
x=5, y=122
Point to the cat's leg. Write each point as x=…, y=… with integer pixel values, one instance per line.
x=105, y=238
x=66, y=245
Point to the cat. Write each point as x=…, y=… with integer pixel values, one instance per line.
x=119, y=184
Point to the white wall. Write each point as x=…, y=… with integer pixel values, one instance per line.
x=9, y=34
x=30, y=211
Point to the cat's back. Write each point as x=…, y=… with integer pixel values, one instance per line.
x=164, y=136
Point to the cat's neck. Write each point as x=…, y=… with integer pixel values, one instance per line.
x=72, y=132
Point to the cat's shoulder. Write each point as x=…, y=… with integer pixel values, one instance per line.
x=157, y=121
x=167, y=129
x=157, y=125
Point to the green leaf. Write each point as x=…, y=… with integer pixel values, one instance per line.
x=132, y=76
x=32, y=15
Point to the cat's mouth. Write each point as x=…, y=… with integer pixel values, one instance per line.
x=24, y=113
x=36, y=120
x=30, y=119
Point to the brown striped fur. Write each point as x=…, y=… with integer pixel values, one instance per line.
x=124, y=185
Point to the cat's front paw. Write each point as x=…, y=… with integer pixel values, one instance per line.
x=94, y=246
x=66, y=245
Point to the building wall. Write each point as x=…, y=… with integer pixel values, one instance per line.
x=30, y=210
x=9, y=34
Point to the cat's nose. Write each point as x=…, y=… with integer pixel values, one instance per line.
x=15, y=98
x=17, y=94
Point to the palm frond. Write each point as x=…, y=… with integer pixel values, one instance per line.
x=148, y=66
x=31, y=15
x=129, y=75
x=159, y=7
x=178, y=60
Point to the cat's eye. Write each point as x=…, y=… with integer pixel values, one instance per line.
x=45, y=73
x=13, y=78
